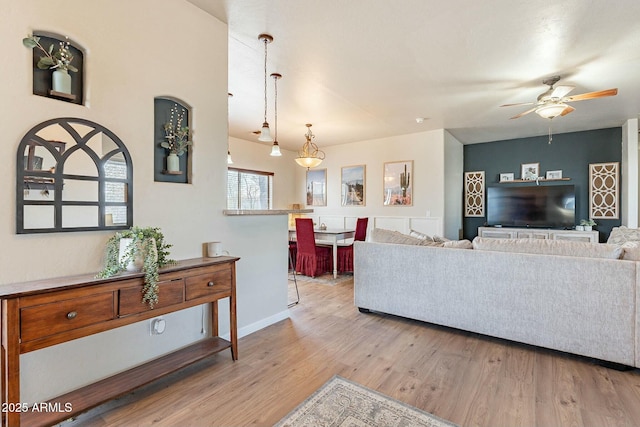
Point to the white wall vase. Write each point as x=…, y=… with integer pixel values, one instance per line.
x=173, y=163
x=137, y=263
x=61, y=81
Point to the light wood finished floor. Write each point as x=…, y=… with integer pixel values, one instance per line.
x=462, y=377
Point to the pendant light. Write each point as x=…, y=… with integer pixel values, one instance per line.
x=265, y=133
x=310, y=156
x=275, y=149
x=229, y=160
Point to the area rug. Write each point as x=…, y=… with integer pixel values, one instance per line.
x=325, y=279
x=343, y=403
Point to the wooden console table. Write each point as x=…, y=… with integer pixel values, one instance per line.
x=43, y=313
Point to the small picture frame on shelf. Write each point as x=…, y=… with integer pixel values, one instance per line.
x=530, y=171
x=554, y=174
x=506, y=177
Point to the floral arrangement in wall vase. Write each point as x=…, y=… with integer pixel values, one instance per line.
x=177, y=139
x=57, y=60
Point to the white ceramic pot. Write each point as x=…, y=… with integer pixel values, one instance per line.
x=173, y=163
x=61, y=81
x=137, y=263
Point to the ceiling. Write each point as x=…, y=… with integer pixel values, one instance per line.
x=366, y=69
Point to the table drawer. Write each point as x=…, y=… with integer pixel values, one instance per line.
x=48, y=319
x=170, y=292
x=215, y=282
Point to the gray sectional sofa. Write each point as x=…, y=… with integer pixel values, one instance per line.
x=573, y=301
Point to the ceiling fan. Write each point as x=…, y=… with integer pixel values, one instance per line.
x=553, y=102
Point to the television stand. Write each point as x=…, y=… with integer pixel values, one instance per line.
x=538, y=233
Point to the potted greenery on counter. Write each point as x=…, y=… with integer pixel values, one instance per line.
x=138, y=249
x=588, y=224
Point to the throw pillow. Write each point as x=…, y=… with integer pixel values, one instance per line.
x=631, y=251
x=380, y=235
x=419, y=235
x=459, y=244
x=623, y=234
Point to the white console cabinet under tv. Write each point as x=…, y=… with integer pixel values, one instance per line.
x=537, y=233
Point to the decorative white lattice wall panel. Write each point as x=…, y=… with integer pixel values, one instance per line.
x=474, y=193
x=604, y=199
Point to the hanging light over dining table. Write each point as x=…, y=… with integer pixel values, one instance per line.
x=310, y=155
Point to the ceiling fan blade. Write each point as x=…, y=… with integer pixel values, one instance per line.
x=519, y=103
x=592, y=95
x=525, y=112
x=567, y=110
x=561, y=91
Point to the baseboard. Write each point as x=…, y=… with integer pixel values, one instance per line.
x=260, y=324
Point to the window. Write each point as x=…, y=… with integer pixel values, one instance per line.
x=247, y=189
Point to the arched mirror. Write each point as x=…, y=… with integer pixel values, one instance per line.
x=73, y=175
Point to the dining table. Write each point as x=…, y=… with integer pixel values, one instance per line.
x=331, y=236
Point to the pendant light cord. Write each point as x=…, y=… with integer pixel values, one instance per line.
x=275, y=119
x=265, y=79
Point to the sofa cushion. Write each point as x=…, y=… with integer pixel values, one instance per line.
x=549, y=247
x=623, y=234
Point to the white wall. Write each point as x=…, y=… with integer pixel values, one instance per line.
x=629, y=174
x=454, y=186
x=134, y=52
x=426, y=149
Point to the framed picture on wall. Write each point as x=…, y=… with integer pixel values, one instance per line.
x=353, y=185
x=398, y=183
x=316, y=187
x=530, y=171
x=554, y=174
x=506, y=177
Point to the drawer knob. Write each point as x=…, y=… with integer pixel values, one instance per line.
x=72, y=315
x=210, y=284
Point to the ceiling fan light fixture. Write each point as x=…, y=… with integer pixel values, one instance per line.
x=310, y=155
x=549, y=111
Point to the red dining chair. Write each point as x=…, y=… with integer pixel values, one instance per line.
x=345, y=253
x=311, y=259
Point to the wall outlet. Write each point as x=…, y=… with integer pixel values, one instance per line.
x=157, y=326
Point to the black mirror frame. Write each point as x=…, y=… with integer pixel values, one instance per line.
x=57, y=176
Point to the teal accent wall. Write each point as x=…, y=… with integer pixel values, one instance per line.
x=570, y=152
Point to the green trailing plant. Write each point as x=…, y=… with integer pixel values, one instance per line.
x=60, y=59
x=176, y=135
x=147, y=244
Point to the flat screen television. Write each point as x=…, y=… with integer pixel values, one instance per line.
x=549, y=206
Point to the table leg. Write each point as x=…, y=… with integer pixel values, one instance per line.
x=335, y=257
x=10, y=361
